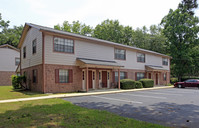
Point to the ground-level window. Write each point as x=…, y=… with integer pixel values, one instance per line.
x=63, y=75
x=34, y=76
x=140, y=75
x=123, y=75
x=17, y=61
x=165, y=76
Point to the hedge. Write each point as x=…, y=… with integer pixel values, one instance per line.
x=127, y=84
x=147, y=83
x=138, y=84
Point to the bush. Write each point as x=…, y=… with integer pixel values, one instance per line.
x=127, y=84
x=174, y=80
x=17, y=81
x=147, y=83
x=138, y=84
x=169, y=84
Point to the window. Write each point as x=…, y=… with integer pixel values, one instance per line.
x=165, y=76
x=17, y=61
x=93, y=75
x=164, y=61
x=34, y=44
x=63, y=76
x=63, y=45
x=99, y=75
x=24, y=52
x=140, y=57
x=120, y=54
x=83, y=75
x=34, y=76
x=140, y=75
x=122, y=76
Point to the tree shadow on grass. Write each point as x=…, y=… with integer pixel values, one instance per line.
x=64, y=115
x=27, y=92
x=167, y=114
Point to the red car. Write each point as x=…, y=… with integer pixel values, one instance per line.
x=187, y=83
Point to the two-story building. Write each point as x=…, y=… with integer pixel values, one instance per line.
x=9, y=60
x=58, y=61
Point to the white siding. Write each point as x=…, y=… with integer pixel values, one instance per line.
x=7, y=59
x=93, y=50
x=32, y=59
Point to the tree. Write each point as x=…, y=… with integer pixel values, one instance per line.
x=9, y=35
x=181, y=29
x=75, y=27
x=151, y=39
x=111, y=30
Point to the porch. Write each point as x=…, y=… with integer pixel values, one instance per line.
x=98, y=74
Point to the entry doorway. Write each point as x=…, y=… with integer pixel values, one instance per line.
x=90, y=80
x=104, y=79
x=156, y=79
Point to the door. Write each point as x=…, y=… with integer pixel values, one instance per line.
x=90, y=80
x=149, y=76
x=156, y=80
x=104, y=79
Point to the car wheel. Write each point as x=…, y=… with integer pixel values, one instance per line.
x=179, y=86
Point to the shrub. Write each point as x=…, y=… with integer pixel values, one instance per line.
x=169, y=84
x=138, y=84
x=17, y=81
x=127, y=84
x=174, y=80
x=147, y=83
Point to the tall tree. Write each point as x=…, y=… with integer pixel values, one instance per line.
x=111, y=30
x=9, y=35
x=75, y=27
x=181, y=29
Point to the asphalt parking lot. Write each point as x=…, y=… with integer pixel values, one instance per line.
x=174, y=107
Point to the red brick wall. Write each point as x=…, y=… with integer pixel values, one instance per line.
x=52, y=87
x=131, y=75
x=38, y=87
x=5, y=78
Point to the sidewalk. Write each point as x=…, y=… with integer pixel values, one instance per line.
x=94, y=92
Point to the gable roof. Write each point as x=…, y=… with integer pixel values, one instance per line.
x=47, y=29
x=9, y=46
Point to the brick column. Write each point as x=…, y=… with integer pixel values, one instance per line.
x=118, y=78
x=87, y=79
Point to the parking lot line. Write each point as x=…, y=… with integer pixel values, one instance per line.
x=137, y=102
x=160, y=93
x=176, y=92
x=143, y=96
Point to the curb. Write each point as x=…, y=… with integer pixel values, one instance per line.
x=80, y=94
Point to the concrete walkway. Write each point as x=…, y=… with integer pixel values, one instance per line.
x=94, y=92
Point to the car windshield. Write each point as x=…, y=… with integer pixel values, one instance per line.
x=188, y=81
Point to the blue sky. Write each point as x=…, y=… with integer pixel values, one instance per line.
x=135, y=13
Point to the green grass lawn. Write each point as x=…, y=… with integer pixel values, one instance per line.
x=50, y=113
x=7, y=92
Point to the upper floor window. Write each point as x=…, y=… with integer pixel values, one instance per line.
x=140, y=57
x=34, y=45
x=24, y=52
x=17, y=61
x=120, y=54
x=63, y=45
x=165, y=61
